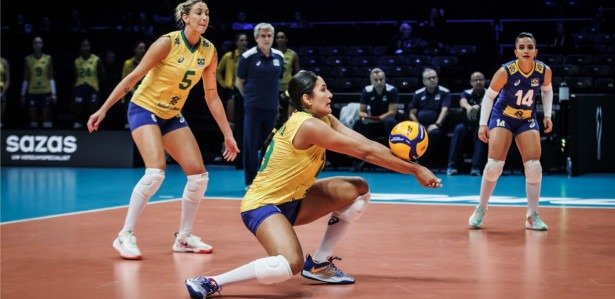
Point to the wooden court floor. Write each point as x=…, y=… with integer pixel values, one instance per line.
x=394, y=251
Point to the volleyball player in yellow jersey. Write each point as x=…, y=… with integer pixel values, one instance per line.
x=5, y=82
x=129, y=65
x=172, y=66
x=38, y=89
x=286, y=192
x=227, y=72
x=291, y=60
x=89, y=71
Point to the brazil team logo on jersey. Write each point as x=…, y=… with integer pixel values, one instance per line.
x=539, y=68
x=535, y=82
x=512, y=68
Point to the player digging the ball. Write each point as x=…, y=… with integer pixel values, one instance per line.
x=286, y=192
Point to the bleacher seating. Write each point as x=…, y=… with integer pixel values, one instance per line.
x=604, y=85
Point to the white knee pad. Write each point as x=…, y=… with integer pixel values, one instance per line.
x=493, y=170
x=272, y=269
x=533, y=172
x=195, y=187
x=354, y=211
x=149, y=184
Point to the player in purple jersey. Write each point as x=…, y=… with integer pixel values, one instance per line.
x=513, y=117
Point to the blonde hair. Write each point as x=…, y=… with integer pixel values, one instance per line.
x=182, y=9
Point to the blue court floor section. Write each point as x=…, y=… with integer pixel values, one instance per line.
x=33, y=192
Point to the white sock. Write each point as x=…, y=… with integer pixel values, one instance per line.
x=238, y=274
x=135, y=207
x=486, y=189
x=189, y=210
x=533, y=194
x=334, y=233
x=144, y=189
x=191, y=199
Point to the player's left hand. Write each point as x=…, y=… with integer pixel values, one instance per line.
x=548, y=124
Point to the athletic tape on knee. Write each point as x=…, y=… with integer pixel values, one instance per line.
x=272, y=269
x=354, y=211
x=493, y=170
x=195, y=187
x=533, y=171
x=149, y=184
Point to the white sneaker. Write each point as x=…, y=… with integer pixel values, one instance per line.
x=126, y=245
x=191, y=243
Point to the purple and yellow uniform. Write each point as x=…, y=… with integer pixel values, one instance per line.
x=516, y=103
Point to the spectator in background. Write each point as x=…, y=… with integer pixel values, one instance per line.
x=226, y=74
x=129, y=65
x=242, y=22
x=113, y=75
x=377, y=110
x=89, y=72
x=407, y=43
x=470, y=101
x=38, y=89
x=23, y=26
x=435, y=29
x=46, y=25
x=143, y=27
x=258, y=80
x=299, y=21
x=429, y=107
x=5, y=82
x=561, y=40
x=76, y=24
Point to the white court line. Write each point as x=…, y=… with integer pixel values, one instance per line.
x=412, y=199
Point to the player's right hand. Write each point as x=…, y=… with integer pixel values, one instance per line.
x=427, y=179
x=95, y=120
x=483, y=133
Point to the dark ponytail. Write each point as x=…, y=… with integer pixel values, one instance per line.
x=301, y=83
x=283, y=114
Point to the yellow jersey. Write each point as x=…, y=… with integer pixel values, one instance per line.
x=87, y=71
x=227, y=69
x=38, y=68
x=286, y=173
x=165, y=88
x=2, y=75
x=129, y=66
x=289, y=59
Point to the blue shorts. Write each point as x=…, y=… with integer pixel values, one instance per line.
x=86, y=94
x=39, y=100
x=138, y=116
x=253, y=218
x=514, y=125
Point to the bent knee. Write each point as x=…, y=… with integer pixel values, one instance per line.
x=361, y=186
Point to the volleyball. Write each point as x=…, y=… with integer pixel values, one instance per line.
x=408, y=140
